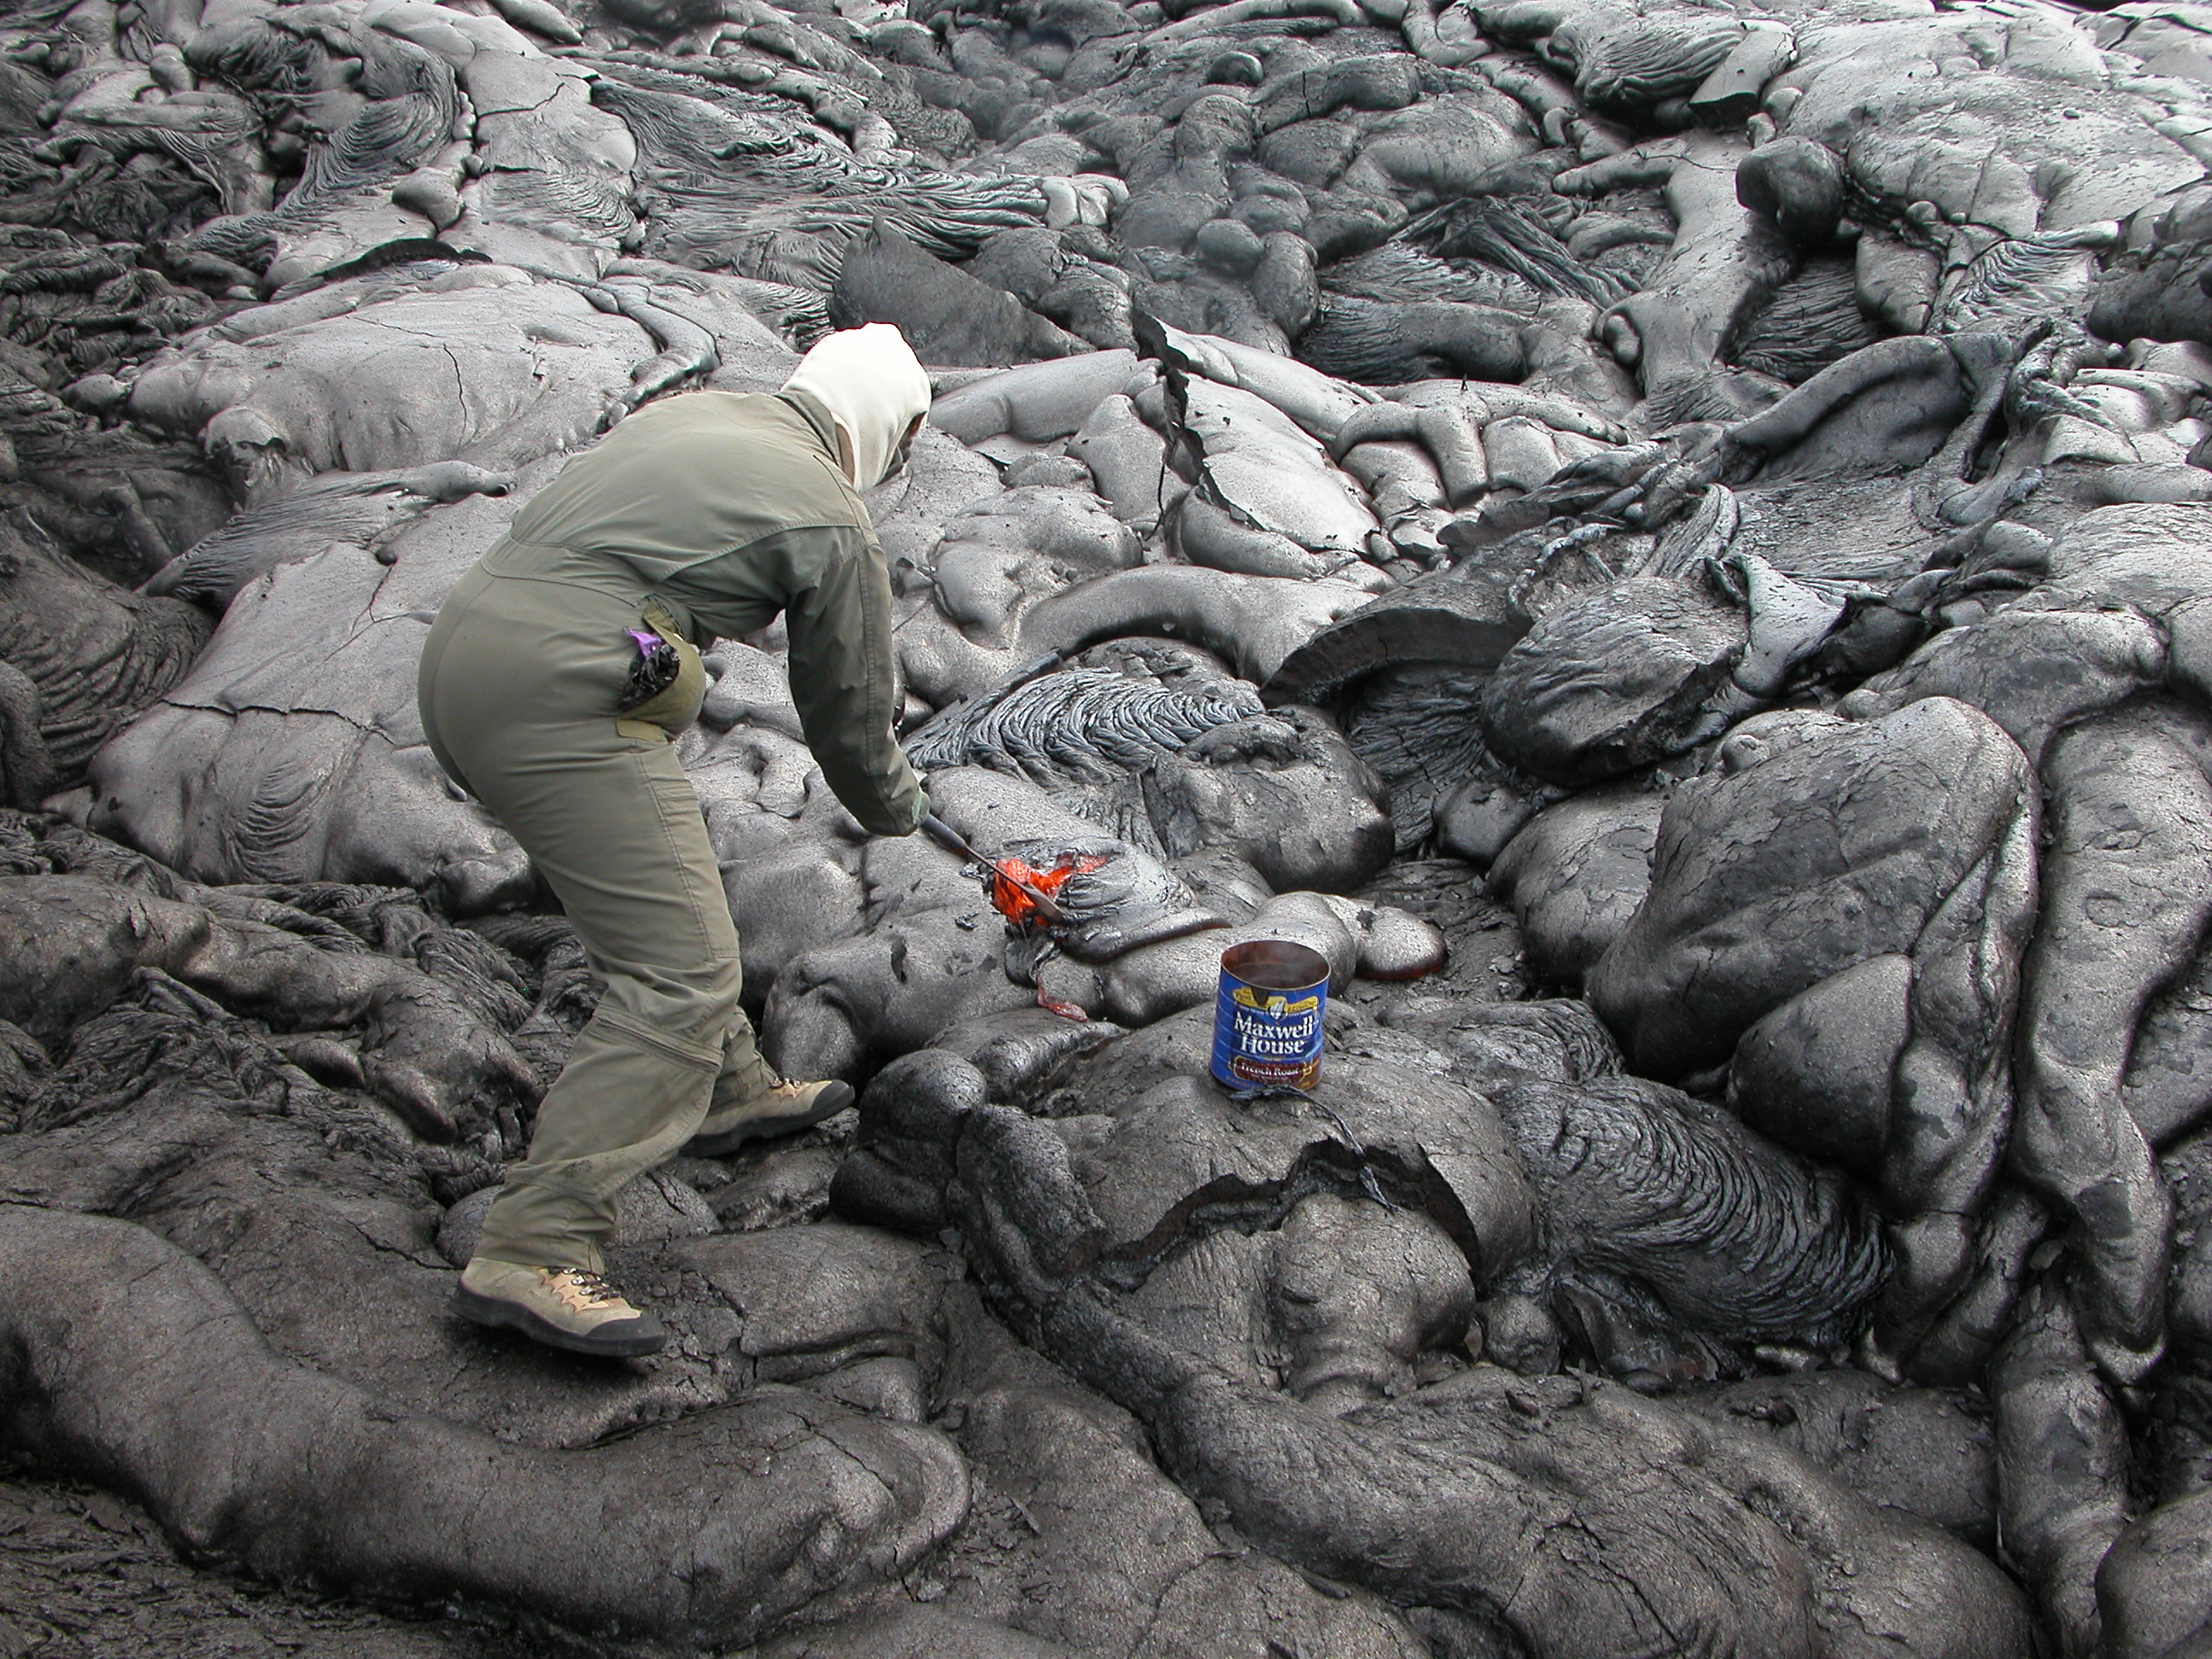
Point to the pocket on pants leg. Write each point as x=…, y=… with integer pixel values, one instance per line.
x=671, y=709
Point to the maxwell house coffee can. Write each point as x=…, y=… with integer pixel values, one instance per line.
x=1267, y=1022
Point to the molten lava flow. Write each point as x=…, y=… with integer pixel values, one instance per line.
x=1011, y=902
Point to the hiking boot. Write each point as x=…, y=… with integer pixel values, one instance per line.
x=562, y=1307
x=785, y=1110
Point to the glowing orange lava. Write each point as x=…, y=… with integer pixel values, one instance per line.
x=1011, y=902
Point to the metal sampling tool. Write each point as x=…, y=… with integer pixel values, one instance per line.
x=945, y=835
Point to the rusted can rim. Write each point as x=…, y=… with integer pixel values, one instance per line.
x=1276, y=965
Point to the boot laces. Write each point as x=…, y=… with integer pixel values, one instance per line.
x=584, y=1288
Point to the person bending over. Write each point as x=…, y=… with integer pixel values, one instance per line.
x=553, y=684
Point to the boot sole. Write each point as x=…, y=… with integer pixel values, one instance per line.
x=832, y=1100
x=498, y=1315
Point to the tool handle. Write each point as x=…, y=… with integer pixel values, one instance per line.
x=945, y=835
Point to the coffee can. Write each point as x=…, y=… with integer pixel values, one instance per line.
x=1267, y=1023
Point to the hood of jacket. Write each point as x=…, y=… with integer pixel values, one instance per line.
x=873, y=386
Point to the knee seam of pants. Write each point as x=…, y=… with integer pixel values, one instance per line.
x=520, y=1176
x=708, y=1060
x=592, y=1191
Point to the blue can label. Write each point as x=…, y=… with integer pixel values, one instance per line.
x=1262, y=1037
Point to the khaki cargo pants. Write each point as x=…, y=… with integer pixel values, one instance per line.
x=518, y=684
